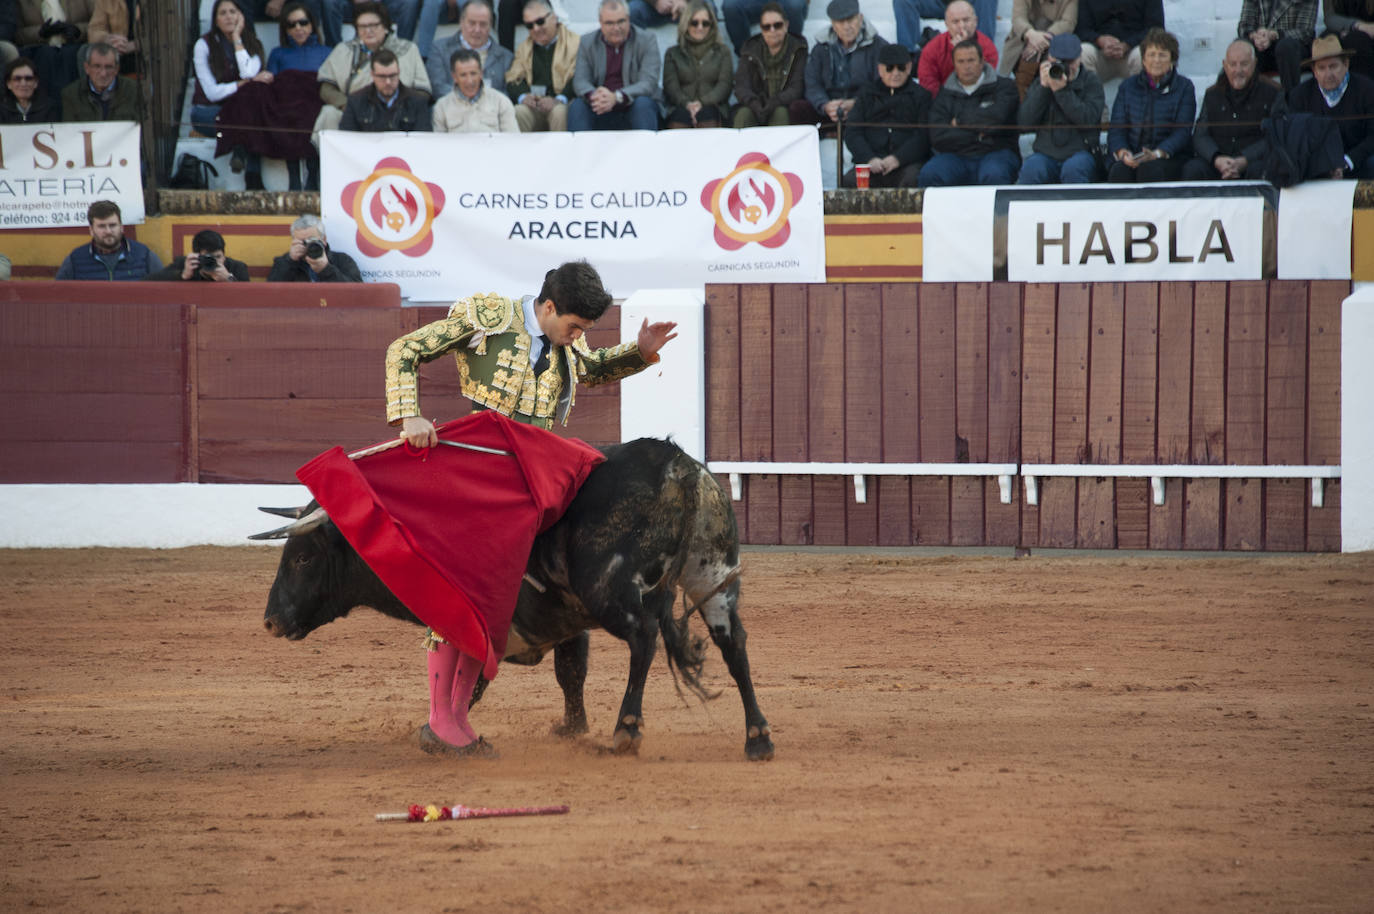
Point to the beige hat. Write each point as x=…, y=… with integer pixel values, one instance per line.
x=1327, y=46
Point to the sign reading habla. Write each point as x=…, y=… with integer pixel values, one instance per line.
x=51, y=173
x=462, y=212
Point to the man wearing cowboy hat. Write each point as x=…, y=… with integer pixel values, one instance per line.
x=1337, y=93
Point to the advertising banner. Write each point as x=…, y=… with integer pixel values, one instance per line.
x=51, y=173
x=445, y=215
x=1232, y=230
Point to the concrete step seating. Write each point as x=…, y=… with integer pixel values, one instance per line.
x=1203, y=28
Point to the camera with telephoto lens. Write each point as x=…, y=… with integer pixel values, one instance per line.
x=205, y=260
x=314, y=249
x=1057, y=70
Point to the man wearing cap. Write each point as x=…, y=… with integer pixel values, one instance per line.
x=1228, y=141
x=893, y=154
x=972, y=124
x=937, y=57
x=1348, y=97
x=1064, y=108
x=844, y=58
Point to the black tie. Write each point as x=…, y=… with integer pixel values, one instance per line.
x=542, y=364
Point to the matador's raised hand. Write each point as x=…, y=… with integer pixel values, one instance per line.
x=652, y=338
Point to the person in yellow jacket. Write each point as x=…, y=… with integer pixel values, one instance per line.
x=523, y=359
x=539, y=80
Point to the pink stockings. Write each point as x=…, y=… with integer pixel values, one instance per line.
x=452, y=676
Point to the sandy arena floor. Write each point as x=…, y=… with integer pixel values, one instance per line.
x=953, y=734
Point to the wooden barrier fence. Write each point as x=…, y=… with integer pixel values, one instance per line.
x=1243, y=373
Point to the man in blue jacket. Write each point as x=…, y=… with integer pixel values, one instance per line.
x=109, y=256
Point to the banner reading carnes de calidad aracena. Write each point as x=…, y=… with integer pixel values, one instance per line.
x=51, y=173
x=446, y=215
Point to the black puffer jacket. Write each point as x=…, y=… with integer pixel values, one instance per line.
x=878, y=104
x=986, y=118
x=1229, y=123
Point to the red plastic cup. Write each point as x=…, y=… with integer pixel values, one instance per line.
x=861, y=176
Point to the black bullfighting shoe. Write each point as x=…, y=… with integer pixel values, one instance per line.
x=431, y=743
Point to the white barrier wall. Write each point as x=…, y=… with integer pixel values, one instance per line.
x=1357, y=420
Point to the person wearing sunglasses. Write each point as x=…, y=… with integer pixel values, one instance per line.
x=295, y=63
x=22, y=101
x=697, y=71
x=540, y=79
x=769, y=79
x=741, y=15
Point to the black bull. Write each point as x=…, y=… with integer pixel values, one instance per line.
x=647, y=521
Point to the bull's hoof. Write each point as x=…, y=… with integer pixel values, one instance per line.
x=431, y=743
x=569, y=729
x=626, y=743
x=759, y=747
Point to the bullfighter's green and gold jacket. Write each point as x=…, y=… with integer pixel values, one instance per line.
x=487, y=336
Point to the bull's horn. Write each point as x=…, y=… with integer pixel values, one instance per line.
x=285, y=512
x=302, y=525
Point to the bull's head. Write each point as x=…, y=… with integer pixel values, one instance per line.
x=320, y=577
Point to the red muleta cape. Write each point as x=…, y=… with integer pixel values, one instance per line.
x=449, y=530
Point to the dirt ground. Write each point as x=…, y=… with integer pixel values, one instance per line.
x=970, y=733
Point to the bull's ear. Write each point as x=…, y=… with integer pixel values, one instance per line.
x=294, y=513
x=295, y=528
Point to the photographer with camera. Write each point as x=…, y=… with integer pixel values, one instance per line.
x=1064, y=107
x=309, y=258
x=205, y=263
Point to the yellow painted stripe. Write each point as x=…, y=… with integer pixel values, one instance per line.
x=1362, y=246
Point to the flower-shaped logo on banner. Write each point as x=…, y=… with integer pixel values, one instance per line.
x=752, y=203
x=394, y=210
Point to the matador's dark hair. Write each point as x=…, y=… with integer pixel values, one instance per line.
x=576, y=288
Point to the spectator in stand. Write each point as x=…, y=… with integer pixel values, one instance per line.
x=115, y=22
x=1033, y=24
x=844, y=57
x=51, y=35
x=969, y=124
x=474, y=33
x=471, y=107
x=294, y=64
x=697, y=71
x=404, y=14
x=1228, y=142
x=1064, y=107
x=1282, y=33
x=649, y=14
x=909, y=14
x=346, y=70
x=769, y=81
x=1112, y=30
x=387, y=104
x=616, y=80
x=1353, y=21
x=309, y=258
x=739, y=15
x=227, y=58
x=937, y=59
x=540, y=79
x=9, y=31
x=102, y=94
x=205, y=263
x=1152, y=118
x=109, y=256
x=23, y=101
x=1336, y=92
x=893, y=153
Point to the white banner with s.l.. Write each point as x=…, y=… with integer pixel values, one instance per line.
x=445, y=215
x=51, y=173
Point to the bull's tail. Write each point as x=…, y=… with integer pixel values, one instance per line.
x=686, y=652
